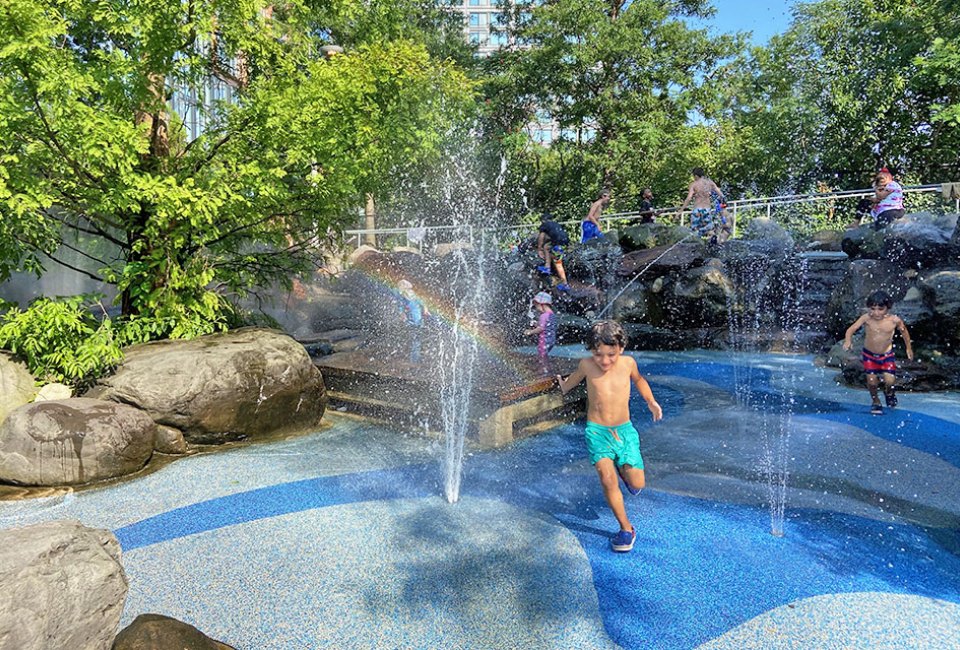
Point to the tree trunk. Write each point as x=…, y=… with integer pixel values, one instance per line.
x=370, y=220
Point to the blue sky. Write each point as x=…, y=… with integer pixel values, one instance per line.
x=762, y=17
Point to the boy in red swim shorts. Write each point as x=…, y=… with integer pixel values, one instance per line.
x=879, y=326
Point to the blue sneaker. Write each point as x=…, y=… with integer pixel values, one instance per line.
x=563, y=287
x=623, y=541
x=543, y=269
x=633, y=491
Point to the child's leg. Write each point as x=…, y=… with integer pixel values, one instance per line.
x=889, y=381
x=561, y=273
x=873, y=383
x=611, y=491
x=633, y=477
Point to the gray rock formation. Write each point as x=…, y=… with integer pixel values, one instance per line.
x=157, y=632
x=16, y=385
x=864, y=277
x=919, y=241
x=943, y=291
x=63, y=587
x=73, y=441
x=221, y=387
x=54, y=391
x=169, y=441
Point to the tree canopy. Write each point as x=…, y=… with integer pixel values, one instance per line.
x=615, y=82
x=193, y=150
x=89, y=142
x=851, y=86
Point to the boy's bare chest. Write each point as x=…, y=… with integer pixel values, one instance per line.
x=881, y=327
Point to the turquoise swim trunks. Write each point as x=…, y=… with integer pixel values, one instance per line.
x=620, y=444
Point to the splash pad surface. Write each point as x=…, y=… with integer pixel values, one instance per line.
x=342, y=538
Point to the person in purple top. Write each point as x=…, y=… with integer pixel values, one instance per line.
x=546, y=327
x=887, y=199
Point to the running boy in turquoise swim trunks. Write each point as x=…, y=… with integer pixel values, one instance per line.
x=612, y=440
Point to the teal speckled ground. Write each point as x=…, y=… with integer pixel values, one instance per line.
x=341, y=539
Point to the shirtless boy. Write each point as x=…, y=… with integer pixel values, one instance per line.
x=612, y=440
x=701, y=216
x=591, y=225
x=879, y=326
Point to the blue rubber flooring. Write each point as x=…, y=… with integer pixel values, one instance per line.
x=705, y=564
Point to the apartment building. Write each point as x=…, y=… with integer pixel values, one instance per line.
x=485, y=23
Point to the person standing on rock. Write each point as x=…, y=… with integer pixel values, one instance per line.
x=591, y=225
x=551, y=239
x=648, y=213
x=701, y=216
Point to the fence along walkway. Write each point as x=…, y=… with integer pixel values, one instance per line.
x=770, y=206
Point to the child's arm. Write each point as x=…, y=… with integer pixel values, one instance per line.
x=906, y=337
x=568, y=384
x=645, y=392
x=847, y=343
x=532, y=331
x=884, y=192
x=688, y=199
x=720, y=197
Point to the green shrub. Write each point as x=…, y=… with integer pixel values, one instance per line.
x=61, y=340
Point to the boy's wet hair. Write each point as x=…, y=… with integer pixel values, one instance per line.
x=879, y=299
x=606, y=332
x=698, y=172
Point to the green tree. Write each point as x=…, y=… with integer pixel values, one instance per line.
x=619, y=80
x=89, y=142
x=852, y=85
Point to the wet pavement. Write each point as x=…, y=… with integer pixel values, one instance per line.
x=341, y=538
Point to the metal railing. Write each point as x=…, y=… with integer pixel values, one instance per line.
x=419, y=236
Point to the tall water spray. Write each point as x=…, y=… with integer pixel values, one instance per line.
x=754, y=297
x=458, y=362
x=472, y=208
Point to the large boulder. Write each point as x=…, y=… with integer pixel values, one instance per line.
x=158, y=632
x=862, y=242
x=63, y=587
x=221, y=387
x=848, y=300
x=594, y=262
x=943, y=289
x=767, y=237
x=73, y=441
x=16, y=385
x=700, y=297
x=919, y=240
x=651, y=235
x=663, y=260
